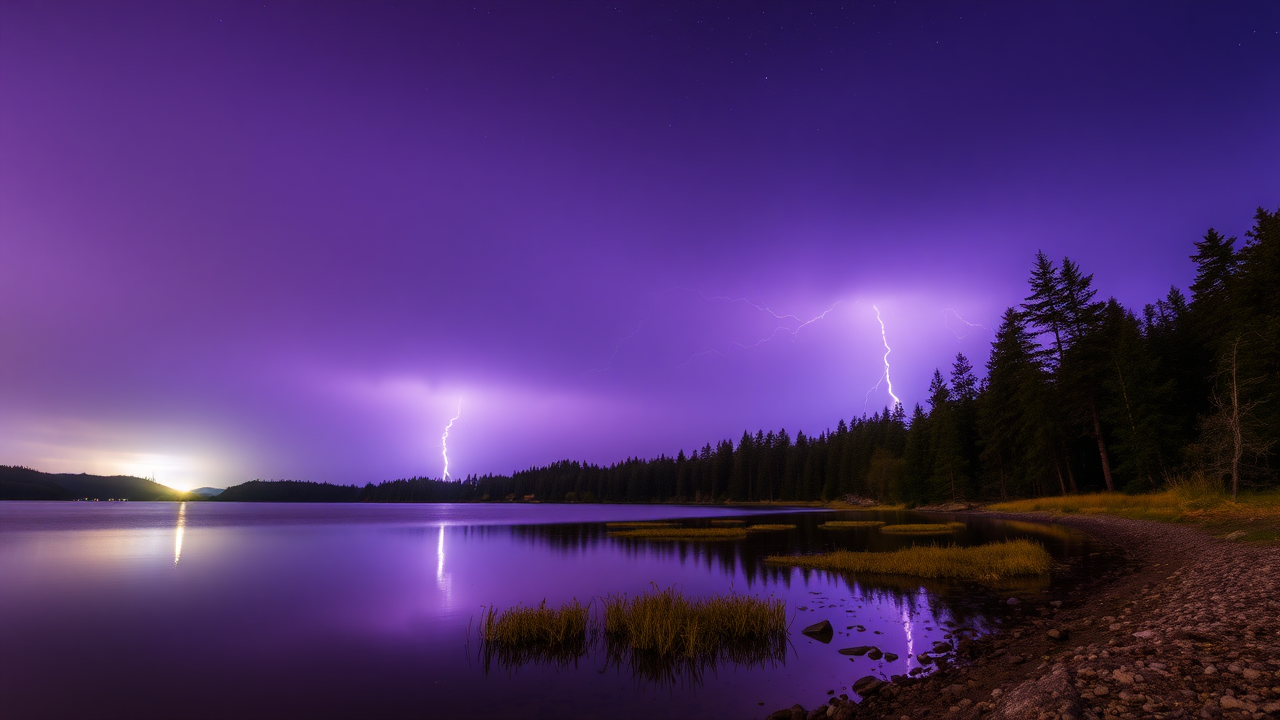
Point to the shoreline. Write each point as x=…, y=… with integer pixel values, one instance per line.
x=1182, y=625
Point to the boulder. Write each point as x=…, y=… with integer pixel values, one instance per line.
x=795, y=712
x=867, y=685
x=1053, y=694
x=859, y=650
x=822, y=632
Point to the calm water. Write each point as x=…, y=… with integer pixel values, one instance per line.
x=210, y=610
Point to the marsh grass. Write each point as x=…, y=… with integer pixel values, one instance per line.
x=639, y=525
x=850, y=524
x=660, y=636
x=539, y=634
x=990, y=563
x=923, y=528
x=664, y=637
x=675, y=533
x=1192, y=501
x=767, y=527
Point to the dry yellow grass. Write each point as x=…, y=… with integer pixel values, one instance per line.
x=1194, y=503
x=671, y=533
x=664, y=623
x=766, y=527
x=923, y=528
x=534, y=634
x=983, y=563
x=850, y=524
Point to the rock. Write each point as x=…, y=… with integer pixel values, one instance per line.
x=867, y=685
x=1232, y=537
x=1145, y=634
x=875, y=654
x=1056, y=603
x=1230, y=703
x=859, y=650
x=1052, y=693
x=890, y=657
x=1059, y=634
x=822, y=632
x=795, y=712
x=1012, y=601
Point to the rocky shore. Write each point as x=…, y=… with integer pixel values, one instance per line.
x=1184, y=625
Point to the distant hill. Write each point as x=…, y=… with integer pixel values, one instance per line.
x=21, y=483
x=288, y=491
x=207, y=492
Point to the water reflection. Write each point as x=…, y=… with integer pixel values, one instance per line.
x=179, y=532
x=444, y=580
x=303, y=609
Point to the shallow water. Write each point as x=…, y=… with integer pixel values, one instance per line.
x=195, y=610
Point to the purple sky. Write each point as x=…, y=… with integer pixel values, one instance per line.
x=285, y=240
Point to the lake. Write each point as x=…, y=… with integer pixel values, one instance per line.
x=218, y=610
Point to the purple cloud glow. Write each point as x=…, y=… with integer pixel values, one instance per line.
x=245, y=241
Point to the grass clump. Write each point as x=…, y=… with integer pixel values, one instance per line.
x=1192, y=502
x=663, y=625
x=639, y=525
x=850, y=524
x=534, y=634
x=767, y=527
x=983, y=563
x=923, y=528
x=676, y=533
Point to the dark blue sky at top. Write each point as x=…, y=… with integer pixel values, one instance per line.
x=287, y=239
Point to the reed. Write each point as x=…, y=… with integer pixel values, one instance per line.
x=665, y=624
x=692, y=534
x=923, y=528
x=982, y=563
x=850, y=524
x=534, y=634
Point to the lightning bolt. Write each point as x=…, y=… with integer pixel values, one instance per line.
x=618, y=345
x=444, y=440
x=885, y=377
x=966, y=322
x=762, y=307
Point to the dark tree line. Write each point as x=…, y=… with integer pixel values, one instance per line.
x=1081, y=394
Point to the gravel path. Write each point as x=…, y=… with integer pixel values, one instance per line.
x=1185, y=625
